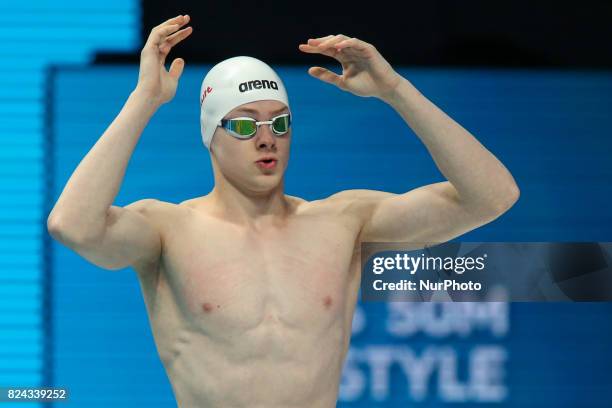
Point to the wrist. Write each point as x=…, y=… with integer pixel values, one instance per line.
x=390, y=94
x=144, y=99
x=402, y=90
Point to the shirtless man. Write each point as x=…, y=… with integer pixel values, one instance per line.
x=250, y=292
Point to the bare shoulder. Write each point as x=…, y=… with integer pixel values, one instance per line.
x=355, y=201
x=155, y=211
x=147, y=206
x=359, y=195
x=161, y=216
x=358, y=203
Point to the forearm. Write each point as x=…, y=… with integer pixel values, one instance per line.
x=480, y=179
x=82, y=207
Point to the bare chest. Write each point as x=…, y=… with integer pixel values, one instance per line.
x=227, y=281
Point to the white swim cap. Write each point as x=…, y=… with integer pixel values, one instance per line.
x=232, y=83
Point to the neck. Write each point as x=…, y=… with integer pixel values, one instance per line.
x=249, y=207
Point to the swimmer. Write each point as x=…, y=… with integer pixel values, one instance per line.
x=251, y=292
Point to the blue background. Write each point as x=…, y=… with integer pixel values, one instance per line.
x=550, y=128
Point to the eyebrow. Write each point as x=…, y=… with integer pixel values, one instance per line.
x=249, y=110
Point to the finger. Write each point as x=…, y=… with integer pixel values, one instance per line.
x=325, y=75
x=161, y=31
x=159, y=34
x=308, y=48
x=311, y=49
x=177, y=37
x=180, y=19
x=330, y=52
x=176, y=68
x=317, y=41
x=332, y=41
x=171, y=41
x=316, y=46
x=353, y=43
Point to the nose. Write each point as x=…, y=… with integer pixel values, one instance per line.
x=265, y=139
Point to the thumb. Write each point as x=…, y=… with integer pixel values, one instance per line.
x=176, y=68
x=325, y=75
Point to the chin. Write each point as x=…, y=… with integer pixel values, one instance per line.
x=265, y=183
x=266, y=186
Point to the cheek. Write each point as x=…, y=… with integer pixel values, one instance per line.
x=231, y=157
x=284, y=145
x=225, y=148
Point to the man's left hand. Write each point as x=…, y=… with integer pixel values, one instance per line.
x=364, y=71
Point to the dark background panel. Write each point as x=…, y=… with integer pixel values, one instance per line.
x=439, y=32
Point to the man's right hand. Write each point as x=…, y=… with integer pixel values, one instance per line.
x=153, y=80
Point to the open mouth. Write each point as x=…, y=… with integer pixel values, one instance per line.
x=267, y=163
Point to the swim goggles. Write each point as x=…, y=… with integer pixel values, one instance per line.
x=246, y=128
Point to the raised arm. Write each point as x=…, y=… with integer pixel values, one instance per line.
x=479, y=187
x=83, y=217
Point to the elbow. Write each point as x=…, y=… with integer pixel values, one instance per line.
x=506, y=200
x=512, y=197
x=54, y=226
x=70, y=233
x=490, y=209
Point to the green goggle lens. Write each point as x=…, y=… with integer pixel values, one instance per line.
x=281, y=124
x=247, y=127
x=243, y=127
